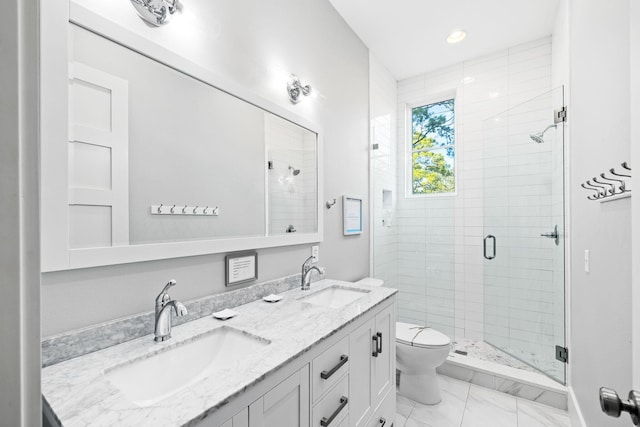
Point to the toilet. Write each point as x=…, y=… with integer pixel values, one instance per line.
x=419, y=351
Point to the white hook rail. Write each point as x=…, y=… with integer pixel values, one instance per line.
x=172, y=209
x=611, y=185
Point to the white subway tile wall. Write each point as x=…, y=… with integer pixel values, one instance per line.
x=432, y=250
x=384, y=188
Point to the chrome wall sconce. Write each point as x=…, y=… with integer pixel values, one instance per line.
x=295, y=89
x=156, y=12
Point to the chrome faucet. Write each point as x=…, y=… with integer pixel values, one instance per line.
x=164, y=304
x=306, y=274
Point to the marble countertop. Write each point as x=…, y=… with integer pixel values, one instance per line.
x=79, y=394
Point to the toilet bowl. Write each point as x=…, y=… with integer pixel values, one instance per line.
x=419, y=351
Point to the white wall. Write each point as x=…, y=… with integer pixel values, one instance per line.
x=250, y=43
x=19, y=232
x=599, y=120
x=440, y=263
x=383, y=98
x=634, y=19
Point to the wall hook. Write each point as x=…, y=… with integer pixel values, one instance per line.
x=611, y=190
x=622, y=184
x=330, y=203
x=608, y=188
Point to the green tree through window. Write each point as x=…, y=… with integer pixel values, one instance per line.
x=433, y=148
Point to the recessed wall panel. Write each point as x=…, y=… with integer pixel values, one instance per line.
x=90, y=166
x=89, y=226
x=90, y=105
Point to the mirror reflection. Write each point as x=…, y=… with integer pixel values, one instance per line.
x=158, y=156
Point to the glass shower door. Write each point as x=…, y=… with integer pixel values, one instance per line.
x=523, y=208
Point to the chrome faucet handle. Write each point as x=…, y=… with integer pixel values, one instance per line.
x=163, y=296
x=305, y=265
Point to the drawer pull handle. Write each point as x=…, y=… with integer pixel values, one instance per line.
x=375, y=346
x=324, y=422
x=379, y=349
x=325, y=375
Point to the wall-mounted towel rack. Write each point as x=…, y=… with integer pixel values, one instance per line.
x=611, y=185
x=163, y=209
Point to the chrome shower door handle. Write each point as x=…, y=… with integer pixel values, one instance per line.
x=487, y=237
x=553, y=235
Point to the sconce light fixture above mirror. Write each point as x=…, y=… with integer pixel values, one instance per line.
x=295, y=89
x=156, y=12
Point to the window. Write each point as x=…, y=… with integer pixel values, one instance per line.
x=433, y=148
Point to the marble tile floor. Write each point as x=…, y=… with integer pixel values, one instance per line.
x=469, y=405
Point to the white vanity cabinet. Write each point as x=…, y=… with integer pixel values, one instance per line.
x=372, y=366
x=286, y=405
x=346, y=381
x=239, y=420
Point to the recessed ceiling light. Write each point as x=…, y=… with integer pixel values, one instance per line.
x=457, y=36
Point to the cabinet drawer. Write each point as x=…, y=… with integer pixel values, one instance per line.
x=385, y=413
x=344, y=422
x=332, y=407
x=329, y=367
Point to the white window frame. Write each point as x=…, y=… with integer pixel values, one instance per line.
x=408, y=142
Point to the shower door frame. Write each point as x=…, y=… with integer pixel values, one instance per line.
x=562, y=224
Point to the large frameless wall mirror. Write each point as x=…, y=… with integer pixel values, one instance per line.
x=161, y=163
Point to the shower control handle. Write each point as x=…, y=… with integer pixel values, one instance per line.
x=612, y=405
x=484, y=241
x=553, y=235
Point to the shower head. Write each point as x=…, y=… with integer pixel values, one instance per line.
x=294, y=172
x=539, y=137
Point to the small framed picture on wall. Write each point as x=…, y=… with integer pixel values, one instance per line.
x=352, y=215
x=241, y=267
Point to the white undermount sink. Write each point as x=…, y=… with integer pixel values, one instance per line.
x=334, y=296
x=148, y=380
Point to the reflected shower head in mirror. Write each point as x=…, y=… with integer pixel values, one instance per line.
x=539, y=137
x=294, y=172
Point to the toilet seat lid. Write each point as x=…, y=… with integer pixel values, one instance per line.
x=420, y=336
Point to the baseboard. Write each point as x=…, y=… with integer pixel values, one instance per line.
x=577, y=419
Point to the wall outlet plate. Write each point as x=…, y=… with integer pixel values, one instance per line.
x=315, y=252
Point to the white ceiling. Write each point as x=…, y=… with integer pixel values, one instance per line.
x=409, y=36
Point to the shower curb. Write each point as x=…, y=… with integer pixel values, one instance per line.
x=516, y=382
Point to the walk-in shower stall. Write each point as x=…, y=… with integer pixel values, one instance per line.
x=484, y=265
